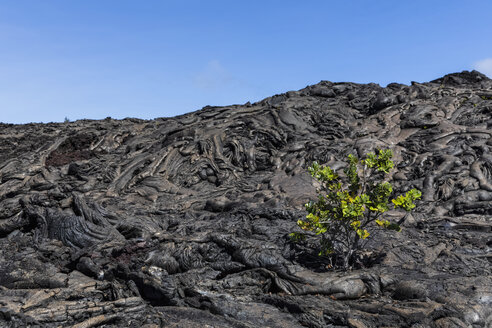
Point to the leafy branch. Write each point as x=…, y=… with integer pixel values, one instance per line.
x=350, y=203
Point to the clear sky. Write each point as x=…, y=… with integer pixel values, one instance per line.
x=148, y=58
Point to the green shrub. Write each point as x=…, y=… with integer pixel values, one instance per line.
x=352, y=204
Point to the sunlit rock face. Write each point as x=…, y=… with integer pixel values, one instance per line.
x=184, y=221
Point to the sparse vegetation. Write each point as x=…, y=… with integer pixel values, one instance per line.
x=349, y=206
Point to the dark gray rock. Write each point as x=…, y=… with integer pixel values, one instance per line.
x=184, y=221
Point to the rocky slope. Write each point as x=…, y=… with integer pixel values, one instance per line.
x=184, y=221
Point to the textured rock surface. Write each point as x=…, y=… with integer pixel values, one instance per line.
x=183, y=221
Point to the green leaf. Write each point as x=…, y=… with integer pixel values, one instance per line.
x=382, y=223
x=371, y=160
x=406, y=201
x=351, y=172
x=363, y=234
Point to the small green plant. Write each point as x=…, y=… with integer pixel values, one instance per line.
x=350, y=205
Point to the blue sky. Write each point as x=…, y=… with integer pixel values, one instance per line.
x=147, y=58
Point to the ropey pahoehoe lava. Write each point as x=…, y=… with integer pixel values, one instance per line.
x=185, y=221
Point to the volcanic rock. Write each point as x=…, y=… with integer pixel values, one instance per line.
x=184, y=221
